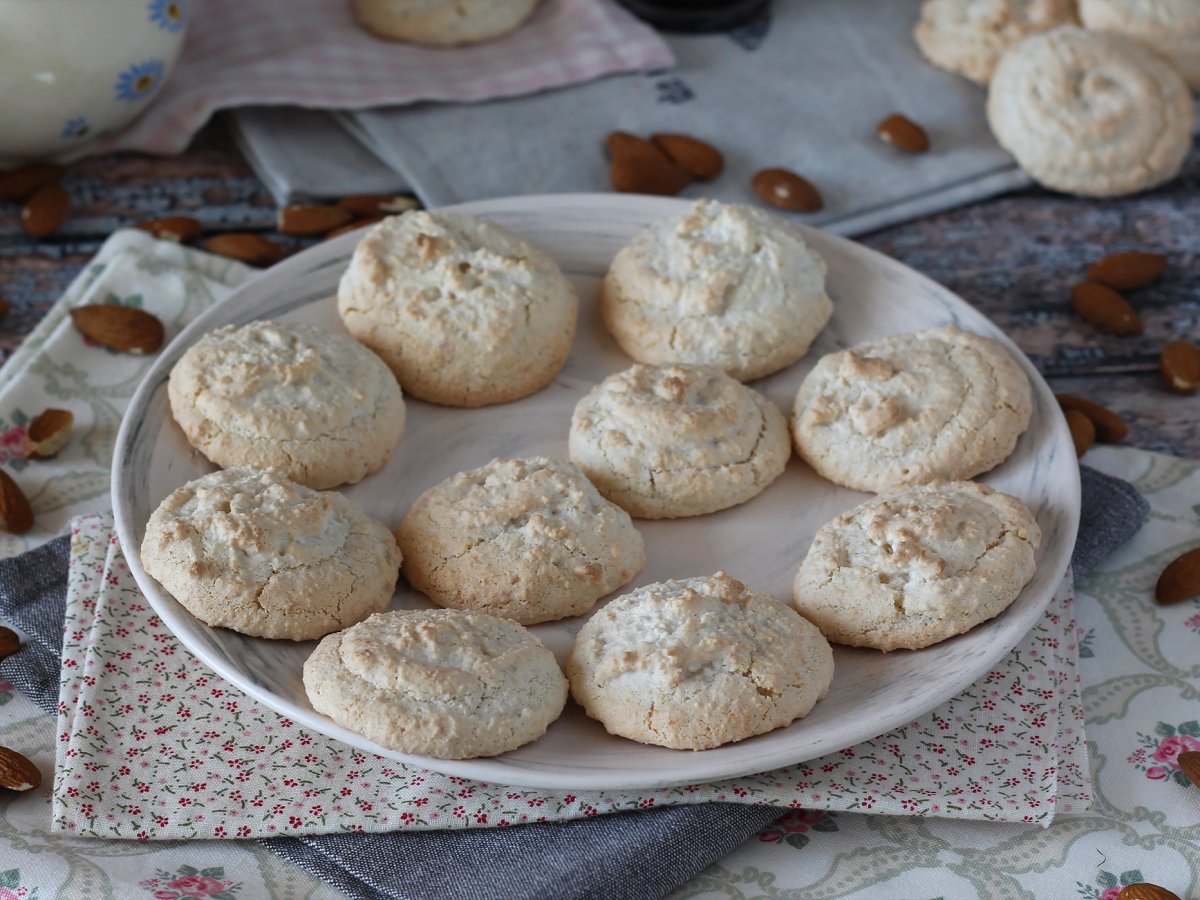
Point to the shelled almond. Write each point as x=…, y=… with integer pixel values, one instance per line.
x=699, y=158
x=311, y=218
x=903, y=133
x=1105, y=308
x=9, y=642
x=16, y=515
x=639, y=167
x=1083, y=432
x=367, y=205
x=21, y=183
x=125, y=329
x=1127, y=271
x=252, y=249
x=48, y=433
x=45, y=210
x=1180, y=580
x=785, y=189
x=1109, y=427
x=1180, y=364
x=1144, y=890
x=180, y=229
x=17, y=772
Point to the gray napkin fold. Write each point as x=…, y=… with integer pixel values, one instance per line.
x=626, y=855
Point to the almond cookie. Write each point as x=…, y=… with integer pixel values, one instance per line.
x=315, y=405
x=669, y=441
x=967, y=37
x=1091, y=114
x=914, y=567
x=464, y=312
x=911, y=408
x=257, y=553
x=438, y=682
x=442, y=23
x=526, y=539
x=697, y=663
x=1171, y=28
x=725, y=285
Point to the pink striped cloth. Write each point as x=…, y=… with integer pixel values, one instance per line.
x=312, y=53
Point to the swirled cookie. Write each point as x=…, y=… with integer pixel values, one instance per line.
x=725, y=285
x=668, y=441
x=464, y=312
x=442, y=23
x=914, y=567
x=967, y=37
x=697, y=663
x=1169, y=27
x=316, y=405
x=911, y=408
x=440, y=682
x=527, y=539
x=1091, y=114
x=259, y=554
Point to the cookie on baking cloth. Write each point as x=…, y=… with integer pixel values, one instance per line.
x=463, y=311
x=1169, y=27
x=938, y=404
x=697, y=663
x=527, y=539
x=914, y=567
x=967, y=37
x=675, y=440
x=725, y=285
x=442, y=23
x=1090, y=113
x=265, y=556
x=437, y=682
x=316, y=405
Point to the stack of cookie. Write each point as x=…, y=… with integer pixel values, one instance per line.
x=1100, y=110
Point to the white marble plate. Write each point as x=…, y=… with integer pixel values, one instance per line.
x=760, y=542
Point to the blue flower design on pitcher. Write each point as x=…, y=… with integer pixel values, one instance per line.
x=75, y=128
x=169, y=15
x=140, y=80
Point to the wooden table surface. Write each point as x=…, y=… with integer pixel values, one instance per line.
x=1015, y=257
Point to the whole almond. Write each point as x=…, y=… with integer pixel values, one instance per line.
x=9, y=642
x=1189, y=761
x=366, y=205
x=1144, y=890
x=46, y=210
x=1179, y=580
x=638, y=167
x=1105, y=308
x=16, y=772
x=787, y=190
x=16, y=515
x=253, y=249
x=1083, y=432
x=1127, y=271
x=312, y=218
x=1110, y=427
x=618, y=143
x=903, y=134
x=180, y=229
x=354, y=225
x=701, y=159
x=48, y=433
x=19, y=184
x=125, y=329
x=1180, y=364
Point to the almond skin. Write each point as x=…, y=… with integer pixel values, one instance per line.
x=702, y=160
x=1128, y=271
x=125, y=329
x=1144, y=890
x=1105, y=308
x=354, y=225
x=638, y=167
x=1180, y=580
x=180, y=229
x=903, y=134
x=366, y=205
x=1110, y=428
x=1083, y=432
x=20, y=184
x=785, y=189
x=1180, y=364
x=1189, y=761
x=312, y=218
x=17, y=773
x=252, y=249
x=9, y=642
x=46, y=210
x=48, y=433
x=16, y=515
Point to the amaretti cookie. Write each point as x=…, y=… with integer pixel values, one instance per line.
x=257, y=553
x=527, y=539
x=939, y=404
x=1089, y=113
x=464, y=312
x=676, y=440
x=441, y=23
x=725, y=285
x=967, y=37
x=914, y=567
x=437, y=682
x=316, y=405
x=1171, y=28
x=697, y=663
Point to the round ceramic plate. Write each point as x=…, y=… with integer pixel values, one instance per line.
x=760, y=542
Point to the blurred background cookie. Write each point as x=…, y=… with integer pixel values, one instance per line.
x=1171, y=28
x=442, y=22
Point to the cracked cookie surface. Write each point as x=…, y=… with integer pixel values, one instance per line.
x=527, y=539
x=463, y=311
x=939, y=404
x=725, y=285
x=439, y=682
x=314, y=404
x=696, y=663
x=265, y=556
x=914, y=567
x=678, y=440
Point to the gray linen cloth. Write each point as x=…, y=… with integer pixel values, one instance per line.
x=627, y=855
